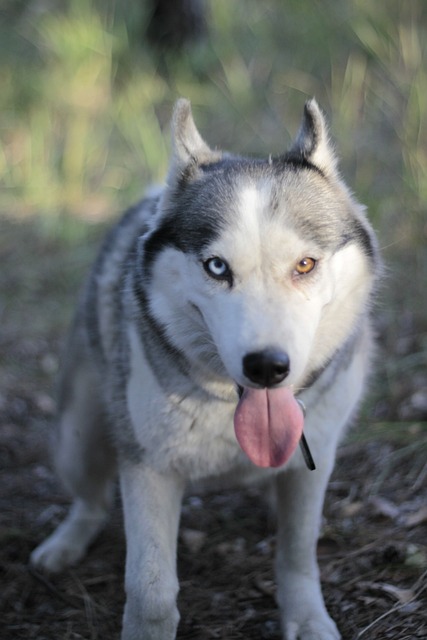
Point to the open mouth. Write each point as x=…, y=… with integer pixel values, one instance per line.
x=269, y=425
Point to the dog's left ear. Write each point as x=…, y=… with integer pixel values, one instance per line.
x=312, y=142
x=189, y=149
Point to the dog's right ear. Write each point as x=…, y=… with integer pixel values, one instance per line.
x=189, y=149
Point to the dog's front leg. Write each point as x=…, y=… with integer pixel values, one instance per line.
x=152, y=503
x=300, y=495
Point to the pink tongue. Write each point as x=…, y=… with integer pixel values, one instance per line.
x=268, y=425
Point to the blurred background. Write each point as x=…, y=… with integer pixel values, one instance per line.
x=87, y=89
x=86, y=93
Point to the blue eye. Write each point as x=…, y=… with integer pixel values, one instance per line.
x=217, y=268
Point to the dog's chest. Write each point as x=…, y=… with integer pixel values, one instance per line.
x=186, y=432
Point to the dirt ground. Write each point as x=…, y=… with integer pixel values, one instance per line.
x=373, y=552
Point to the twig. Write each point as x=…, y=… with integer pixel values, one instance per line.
x=417, y=589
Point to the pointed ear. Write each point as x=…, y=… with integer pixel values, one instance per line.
x=189, y=148
x=312, y=142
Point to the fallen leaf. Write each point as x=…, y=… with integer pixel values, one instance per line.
x=414, y=519
x=193, y=539
x=351, y=509
x=416, y=556
x=267, y=587
x=403, y=596
x=384, y=507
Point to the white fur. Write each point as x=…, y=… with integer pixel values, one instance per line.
x=182, y=431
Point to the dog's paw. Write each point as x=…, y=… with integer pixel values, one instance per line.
x=55, y=554
x=303, y=612
x=153, y=612
x=312, y=629
x=69, y=542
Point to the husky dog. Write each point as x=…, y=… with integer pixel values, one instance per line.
x=217, y=308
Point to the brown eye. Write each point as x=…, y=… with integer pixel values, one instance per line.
x=305, y=265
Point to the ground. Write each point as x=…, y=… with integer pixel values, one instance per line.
x=372, y=552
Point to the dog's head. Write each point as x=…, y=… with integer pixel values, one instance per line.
x=259, y=269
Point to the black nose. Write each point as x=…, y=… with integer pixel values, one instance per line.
x=266, y=368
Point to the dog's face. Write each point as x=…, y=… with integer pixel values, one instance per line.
x=259, y=268
x=257, y=272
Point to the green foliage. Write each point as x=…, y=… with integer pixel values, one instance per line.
x=85, y=103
